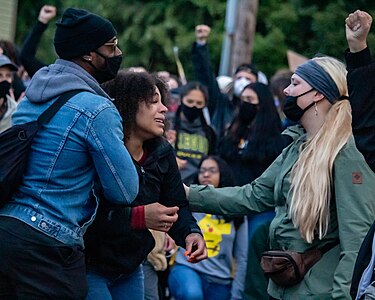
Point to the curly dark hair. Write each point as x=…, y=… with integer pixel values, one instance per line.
x=129, y=89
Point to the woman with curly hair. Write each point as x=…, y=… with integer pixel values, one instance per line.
x=321, y=187
x=119, y=240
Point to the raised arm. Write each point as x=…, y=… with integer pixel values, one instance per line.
x=361, y=83
x=30, y=45
x=203, y=70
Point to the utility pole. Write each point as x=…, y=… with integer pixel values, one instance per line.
x=8, y=17
x=245, y=32
x=230, y=30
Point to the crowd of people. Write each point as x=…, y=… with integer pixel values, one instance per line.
x=141, y=187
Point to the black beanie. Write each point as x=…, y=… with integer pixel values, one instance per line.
x=79, y=32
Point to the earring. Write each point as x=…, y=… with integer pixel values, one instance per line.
x=316, y=109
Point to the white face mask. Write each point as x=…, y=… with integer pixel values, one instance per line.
x=239, y=85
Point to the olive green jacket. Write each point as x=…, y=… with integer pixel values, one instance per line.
x=352, y=212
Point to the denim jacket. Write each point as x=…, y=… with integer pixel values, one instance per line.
x=82, y=143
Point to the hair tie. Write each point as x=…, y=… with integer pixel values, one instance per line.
x=344, y=98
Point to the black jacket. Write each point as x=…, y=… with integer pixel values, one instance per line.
x=361, y=84
x=112, y=247
x=221, y=108
x=29, y=48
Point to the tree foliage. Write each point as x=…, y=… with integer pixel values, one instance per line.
x=148, y=30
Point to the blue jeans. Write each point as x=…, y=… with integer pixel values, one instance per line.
x=121, y=287
x=187, y=284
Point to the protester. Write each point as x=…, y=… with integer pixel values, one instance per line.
x=41, y=229
x=253, y=140
x=10, y=50
x=8, y=104
x=361, y=70
x=226, y=240
x=321, y=187
x=30, y=45
x=361, y=84
x=222, y=106
x=116, y=245
x=193, y=138
x=250, y=144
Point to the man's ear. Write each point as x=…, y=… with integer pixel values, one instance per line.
x=87, y=57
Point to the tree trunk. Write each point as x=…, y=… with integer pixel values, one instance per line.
x=245, y=33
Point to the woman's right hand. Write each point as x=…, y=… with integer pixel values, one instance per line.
x=357, y=27
x=160, y=217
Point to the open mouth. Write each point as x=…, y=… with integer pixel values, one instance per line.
x=160, y=121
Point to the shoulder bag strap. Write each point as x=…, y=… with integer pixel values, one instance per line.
x=54, y=108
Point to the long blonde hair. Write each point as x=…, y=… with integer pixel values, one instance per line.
x=311, y=178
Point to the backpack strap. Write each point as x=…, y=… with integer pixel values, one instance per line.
x=54, y=108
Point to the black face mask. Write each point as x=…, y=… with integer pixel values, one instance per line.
x=291, y=109
x=112, y=65
x=191, y=113
x=4, y=89
x=247, y=112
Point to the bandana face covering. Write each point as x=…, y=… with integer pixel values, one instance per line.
x=191, y=113
x=291, y=109
x=247, y=112
x=4, y=89
x=112, y=65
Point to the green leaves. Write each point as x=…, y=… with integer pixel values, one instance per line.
x=149, y=29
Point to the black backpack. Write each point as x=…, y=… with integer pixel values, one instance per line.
x=15, y=144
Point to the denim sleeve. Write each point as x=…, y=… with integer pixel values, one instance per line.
x=112, y=161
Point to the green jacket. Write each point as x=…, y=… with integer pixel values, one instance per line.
x=351, y=215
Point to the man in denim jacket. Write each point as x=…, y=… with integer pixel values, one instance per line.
x=41, y=229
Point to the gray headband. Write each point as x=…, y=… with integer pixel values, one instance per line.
x=319, y=79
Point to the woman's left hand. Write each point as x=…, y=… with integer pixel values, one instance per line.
x=195, y=248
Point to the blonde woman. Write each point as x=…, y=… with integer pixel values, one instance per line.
x=320, y=186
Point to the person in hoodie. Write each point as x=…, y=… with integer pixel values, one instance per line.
x=193, y=138
x=42, y=228
x=8, y=104
x=119, y=240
